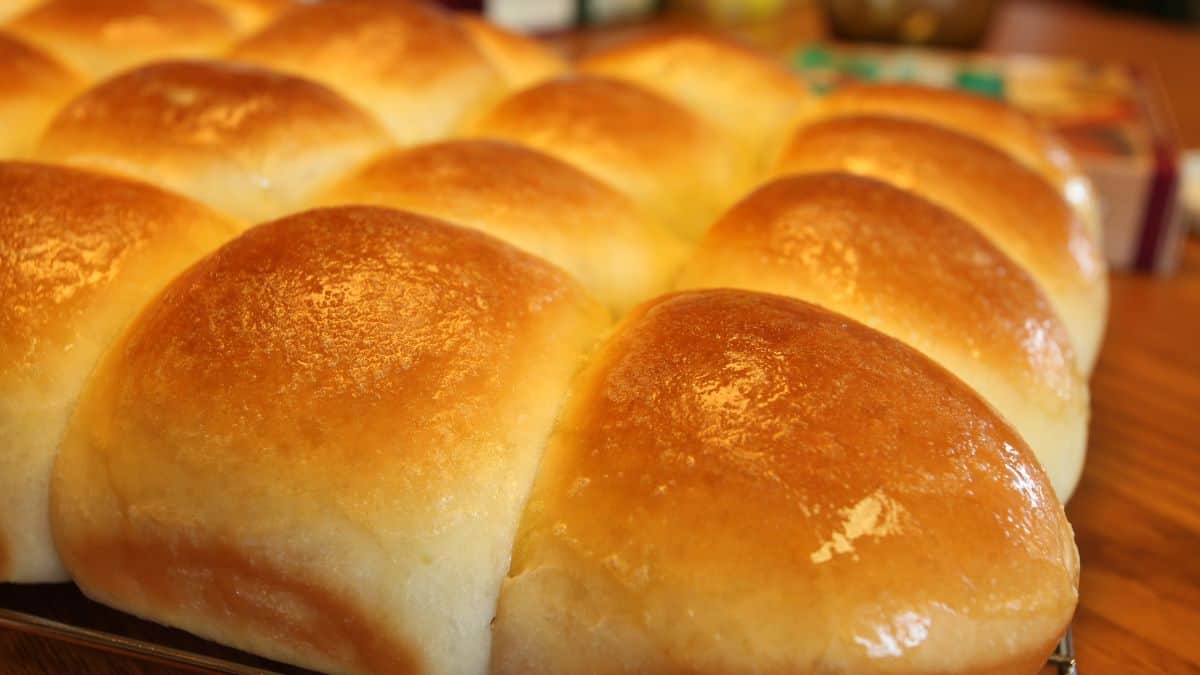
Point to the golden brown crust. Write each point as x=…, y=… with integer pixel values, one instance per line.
x=65, y=235
x=432, y=282
x=249, y=141
x=409, y=63
x=1016, y=132
x=750, y=95
x=538, y=203
x=522, y=61
x=671, y=162
x=33, y=86
x=101, y=37
x=331, y=391
x=80, y=254
x=912, y=270
x=1013, y=206
x=747, y=482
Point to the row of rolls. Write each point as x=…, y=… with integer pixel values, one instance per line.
x=369, y=337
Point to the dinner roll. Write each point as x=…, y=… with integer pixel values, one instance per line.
x=747, y=483
x=101, y=37
x=748, y=94
x=316, y=443
x=907, y=268
x=33, y=86
x=532, y=200
x=79, y=255
x=521, y=61
x=1018, y=133
x=409, y=63
x=679, y=168
x=250, y=15
x=1013, y=206
x=251, y=142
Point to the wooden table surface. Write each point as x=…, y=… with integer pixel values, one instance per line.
x=1137, y=510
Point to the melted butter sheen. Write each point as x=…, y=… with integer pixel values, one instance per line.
x=371, y=324
x=767, y=464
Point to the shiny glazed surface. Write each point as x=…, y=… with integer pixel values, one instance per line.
x=1018, y=210
x=670, y=161
x=1017, y=133
x=249, y=141
x=910, y=269
x=325, y=408
x=532, y=200
x=745, y=482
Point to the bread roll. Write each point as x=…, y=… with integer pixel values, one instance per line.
x=521, y=61
x=101, y=37
x=250, y=15
x=315, y=444
x=1013, y=206
x=79, y=255
x=1018, y=133
x=251, y=142
x=747, y=483
x=33, y=86
x=746, y=93
x=407, y=62
x=532, y=200
x=909, y=269
x=679, y=168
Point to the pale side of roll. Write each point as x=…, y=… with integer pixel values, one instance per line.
x=409, y=63
x=1017, y=209
x=748, y=94
x=744, y=483
x=532, y=200
x=33, y=86
x=914, y=271
x=251, y=142
x=676, y=165
x=315, y=444
x=80, y=253
x=102, y=37
x=1020, y=134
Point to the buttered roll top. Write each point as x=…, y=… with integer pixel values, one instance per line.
x=1013, y=206
x=250, y=142
x=747, y=483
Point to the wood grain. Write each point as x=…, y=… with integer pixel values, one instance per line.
x=1137, y=510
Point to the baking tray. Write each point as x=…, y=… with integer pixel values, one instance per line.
x=61, y=612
